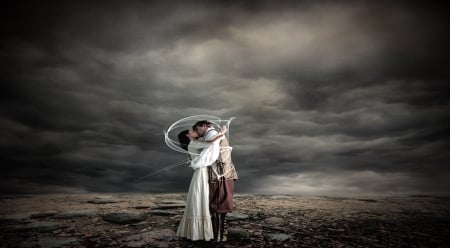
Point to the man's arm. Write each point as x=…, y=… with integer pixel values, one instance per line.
x=210, y=134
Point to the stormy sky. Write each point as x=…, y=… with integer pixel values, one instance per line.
x=330, y=98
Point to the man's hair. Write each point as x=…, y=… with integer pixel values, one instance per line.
x=201, y=123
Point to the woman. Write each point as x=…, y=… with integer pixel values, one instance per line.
x=196, y=221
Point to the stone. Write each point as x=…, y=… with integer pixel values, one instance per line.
x=312, y=221
x=75, y=214
x=274, y=220
x=161, y=235
x=40, y=226
x=136, y=244
x=170, y=206
x=141, y=207
x=12, y=218
x=124, y=217
x=44, y=214
x=367, y=200
x=237, y=233
x=172, y=202
x=57, y=242
x=236, y=216
x=280, y=197
x=133, y=237
x=279, y=237
x=103, y=201
x=160, y=212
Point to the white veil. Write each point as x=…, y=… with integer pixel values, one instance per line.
x=171, y=137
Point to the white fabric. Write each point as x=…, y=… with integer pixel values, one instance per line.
x=210, y=152
x=207, y=156
x=196, y=221
x=210, y=134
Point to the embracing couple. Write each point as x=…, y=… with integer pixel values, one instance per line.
x=210, y=195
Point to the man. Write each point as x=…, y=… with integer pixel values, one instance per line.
x=222, y=175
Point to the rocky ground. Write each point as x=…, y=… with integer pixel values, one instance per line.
x=150, y=220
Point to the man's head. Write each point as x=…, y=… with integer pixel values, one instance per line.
x=201, y=127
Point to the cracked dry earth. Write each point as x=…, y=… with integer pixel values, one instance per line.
x=150, y=220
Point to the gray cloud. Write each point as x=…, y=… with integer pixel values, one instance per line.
x=330, y=98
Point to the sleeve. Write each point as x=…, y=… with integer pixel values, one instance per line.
x=208, y=155
x=200, y=145
x=211, y=133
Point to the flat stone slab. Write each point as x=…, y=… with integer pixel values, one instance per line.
x=57, y=242
x=103, y=201
x=124, y=217
x=170, y=206
x=151, y=236
x=279, y=237
x=159, y=235
x=141, y=207
x=12, y=218
x=275, y=220
x=237, y=233
x=161, y=212
x=169, y=201
x=44, y=214
x=280, y=197
x=40, y=226
x=236, y=216
x=75, y=214
x=137, y=244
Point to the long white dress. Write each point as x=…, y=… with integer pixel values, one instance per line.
x=196, y=221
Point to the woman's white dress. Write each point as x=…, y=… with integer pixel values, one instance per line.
x=196, y=221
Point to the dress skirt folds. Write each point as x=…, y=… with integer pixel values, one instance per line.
x=196, y=221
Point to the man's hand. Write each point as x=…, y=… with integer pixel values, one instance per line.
x=224, y=130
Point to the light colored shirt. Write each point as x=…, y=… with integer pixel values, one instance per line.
x=204, y=153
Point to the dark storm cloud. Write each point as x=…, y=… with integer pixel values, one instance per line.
x=330, y=98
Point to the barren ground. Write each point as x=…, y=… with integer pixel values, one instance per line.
x=150, y=220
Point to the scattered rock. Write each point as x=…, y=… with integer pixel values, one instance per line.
x=259, y=221
x=136, y=244
x=237, y=233
x=141, y=207
x=39, y=226
x=275, y=220
x=133, y=237
x=172, y=202
x=103, y=201
x=57, y=242
x=44, y=214
x=160, y=212
x=161, y=235
x=242, y=196
x=124, y=217
x=280, y=197
x=15, y=218
x=236, y=216
x=170, y=206
x=75, y=214
x=367, y=200
x=279, y=237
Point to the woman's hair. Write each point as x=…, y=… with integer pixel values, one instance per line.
x=183, y=139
